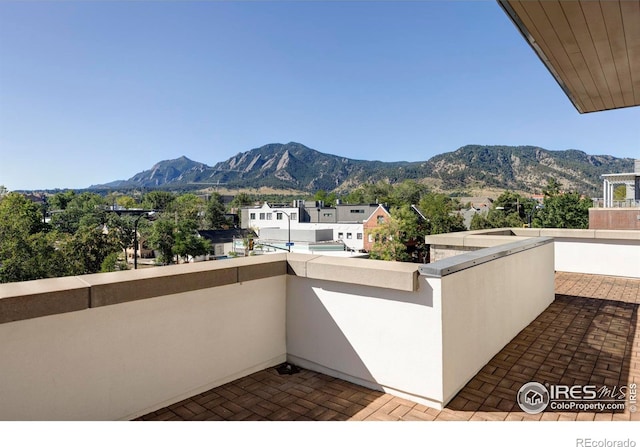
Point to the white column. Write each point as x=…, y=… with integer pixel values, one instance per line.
x=631, y=190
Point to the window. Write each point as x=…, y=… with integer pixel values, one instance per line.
x=371, y=238
x=269, y=216
x=340, y=235
x=380, y=219
x=326, y=215
x=349, y=236
x=294, y=216
x=278, y=216
x=359, y=236
x=261, y=216
x=357, y=211
x=252, y=216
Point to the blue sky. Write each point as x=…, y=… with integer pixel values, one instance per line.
x=92, y=92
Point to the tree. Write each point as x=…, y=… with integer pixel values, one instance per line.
x=60, y=200
x=620, y=193
x=329, y=199
x=510, y=209
x=214, y=217
x=157, y=200
x=20, y=223
x=562, y=210
x=112, y=263
x=176, y=238
x=187, y=207
x=380, y=192
x=479, y=222
x=187, y=242
x=440, y=211
x=399, y=237
x=552, y=188
x=126, y=202
x=409, y=192
x=83, y=210
x=87, y=249
x=161, y=238
x=241, y=199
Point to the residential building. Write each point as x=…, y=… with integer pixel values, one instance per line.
x=611, y=214
x=344, y=220
x=380, y=216
x=222, y=240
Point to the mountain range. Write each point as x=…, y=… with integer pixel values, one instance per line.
x=293, y=166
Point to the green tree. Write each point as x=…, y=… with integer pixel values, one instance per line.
x=409, y=192
x=440, y=212
x=157, y=200
x=510, y=209
x=241, y=199
x=562, y=209
x=214, y=217
x=162, y=238
x=60, y=200
x=188, y=207
x=127, y=202
x=399, y=238
x=83, y=210
x=479, y=222
x=380, y=192
x=187, y=242
x=620, y=193
x=113, y=263
x=329, y=199
x=87, y=249
x=552, y=188
x=20, y=224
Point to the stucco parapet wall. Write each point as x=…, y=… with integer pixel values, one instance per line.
x=633, y=235
x=32, y=299
x=43, y=297
x=132, y=285
x=490, y=238
x=458, y=238
x=474, y=238
x=384, y=274
x=464, y=261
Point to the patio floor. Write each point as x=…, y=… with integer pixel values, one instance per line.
x=589, y=335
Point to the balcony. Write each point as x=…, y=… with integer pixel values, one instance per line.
x=374, y=340
x=551, y=348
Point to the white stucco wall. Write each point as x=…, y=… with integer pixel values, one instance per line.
x=486, y=306
x=380, y=338
x=598, y=256
x=122, y=361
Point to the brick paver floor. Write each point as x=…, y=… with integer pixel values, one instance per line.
x=589, y=335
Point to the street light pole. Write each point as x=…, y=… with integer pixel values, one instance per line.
x=140, y=213
x=288, y=227
x=135, y=241
x=135, y=236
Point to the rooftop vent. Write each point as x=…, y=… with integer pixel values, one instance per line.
x=288, y=369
